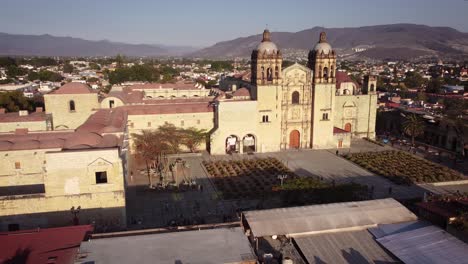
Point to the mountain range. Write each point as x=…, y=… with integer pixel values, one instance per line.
x=396, y=41
x=47, y=45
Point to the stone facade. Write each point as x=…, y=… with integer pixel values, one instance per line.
x=70, y=110
x=58, y=181
x=295, y=107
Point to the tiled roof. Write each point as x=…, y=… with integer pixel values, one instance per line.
x=57, y=140
x=15, y=117
x=339, y=131
x=105, y=121
x=243, y=92
x=175, y=86
x=169, y=108
x=46, y=245
x=74, y=88
x=343, y=77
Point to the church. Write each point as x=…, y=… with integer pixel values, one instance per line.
x=296, y=107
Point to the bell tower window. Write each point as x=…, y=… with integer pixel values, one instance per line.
x=71, y=106
x=269, y=74
x=325, y=73
x=295, y=97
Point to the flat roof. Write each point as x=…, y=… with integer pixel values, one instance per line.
x=425, y=245
x=326, y=217
x=446, y=187
x=216, y=246
x=343, y=247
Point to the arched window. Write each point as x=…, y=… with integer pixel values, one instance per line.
x=263, y=73
x=265, y=119
x=325, y=73
x=277, y=72
x=269, y=74
x=332, y=71
x=372, y=87
x=295, y=97
x=71, y=105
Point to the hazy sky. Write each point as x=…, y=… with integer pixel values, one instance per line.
x=205, y=22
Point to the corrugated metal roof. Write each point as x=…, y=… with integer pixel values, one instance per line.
x=390, y=229
x=316, y=218
x=343, y=247
x=426, y=245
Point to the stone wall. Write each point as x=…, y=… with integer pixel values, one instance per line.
x=59, y=106
x=359, y=111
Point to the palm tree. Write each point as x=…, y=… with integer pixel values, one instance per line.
x=413, y=126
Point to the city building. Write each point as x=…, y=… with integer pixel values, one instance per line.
x=50, y=179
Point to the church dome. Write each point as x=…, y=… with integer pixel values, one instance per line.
x=267, y=45
x=322, y=45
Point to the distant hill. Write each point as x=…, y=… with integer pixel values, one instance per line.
x=47, y=45
x=397, y=41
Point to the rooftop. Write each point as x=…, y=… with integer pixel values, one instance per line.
x=225, y=245
x=343, y=77
x=174, y=86
x=424, y=244
x=351, y=247
x=51, y=245
x=57, y=140
x=74, y=88
x=17, y=117
x=295, y=221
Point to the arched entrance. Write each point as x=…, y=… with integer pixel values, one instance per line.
x=232, y=144
x=347, y=127
x=248, y=144
x=294, y=139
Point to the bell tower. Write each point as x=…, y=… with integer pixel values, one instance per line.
x=322, y=61
x=266, y=62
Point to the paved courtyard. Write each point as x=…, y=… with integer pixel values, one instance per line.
x=148, y=208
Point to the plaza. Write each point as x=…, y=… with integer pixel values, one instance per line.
x=148, y=208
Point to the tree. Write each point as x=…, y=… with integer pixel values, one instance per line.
x=434, y=86
x=92, y=79
x=94, y=66
x=13, y=71
x=193, y=137
x=68, y=68
x=172, y=136
x=120, y=60
x=15, y=101
x=413, y=80
x=421, y=96
x=32, y=76
x=413, y=126
x=7, y=61
x=151, y=147
x=453, y=109
x=45, y=75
